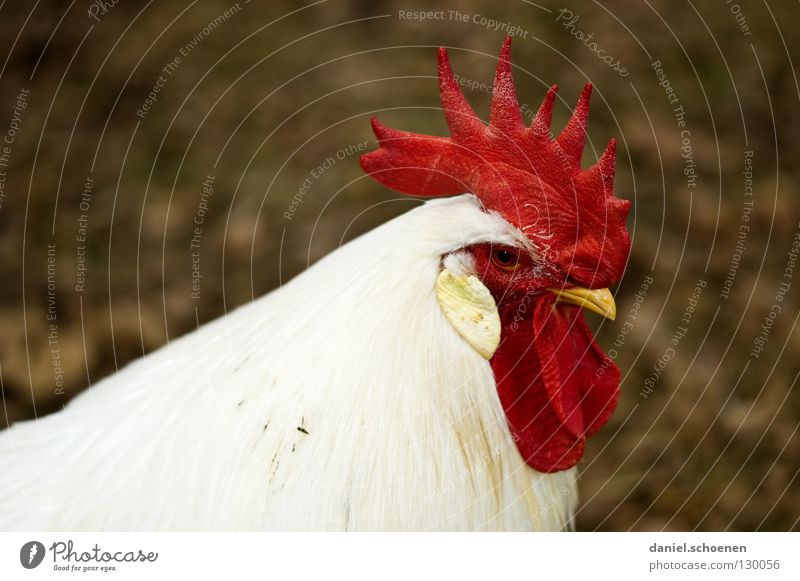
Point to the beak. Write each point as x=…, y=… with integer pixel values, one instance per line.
x=598, y=301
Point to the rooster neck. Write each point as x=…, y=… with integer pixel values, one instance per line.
x=342, y=401
x=413, y=436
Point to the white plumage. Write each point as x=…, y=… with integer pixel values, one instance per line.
x=342, y=401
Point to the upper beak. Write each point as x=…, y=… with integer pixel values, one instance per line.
x=599, y=301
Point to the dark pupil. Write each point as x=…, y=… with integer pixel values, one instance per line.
x=505, y=257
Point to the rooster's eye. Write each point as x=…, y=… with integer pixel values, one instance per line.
x=505, y=259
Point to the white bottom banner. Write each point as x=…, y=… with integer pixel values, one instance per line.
x=381, y=556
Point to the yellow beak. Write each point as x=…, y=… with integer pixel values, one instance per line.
x=599, y=301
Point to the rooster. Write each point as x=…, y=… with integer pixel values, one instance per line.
x=436, y=373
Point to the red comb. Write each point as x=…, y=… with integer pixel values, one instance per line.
x=532, y=180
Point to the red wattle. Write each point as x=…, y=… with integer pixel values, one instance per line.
x=555, y=384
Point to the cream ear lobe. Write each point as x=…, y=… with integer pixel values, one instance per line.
x=470, y=308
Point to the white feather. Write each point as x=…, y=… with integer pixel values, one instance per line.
x=342, y=401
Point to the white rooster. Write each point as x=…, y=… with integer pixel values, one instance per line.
x=436, y=373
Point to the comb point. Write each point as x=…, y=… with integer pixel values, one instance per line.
x=573, y=137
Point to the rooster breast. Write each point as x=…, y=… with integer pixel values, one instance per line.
x=342, y=401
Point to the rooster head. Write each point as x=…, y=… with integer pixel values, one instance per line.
x=519, y=305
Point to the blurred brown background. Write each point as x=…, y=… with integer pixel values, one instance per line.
x=264, y=93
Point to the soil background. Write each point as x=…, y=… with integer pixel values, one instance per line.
x=266, y=105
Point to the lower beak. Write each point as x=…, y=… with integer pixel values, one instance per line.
x=599, y=301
